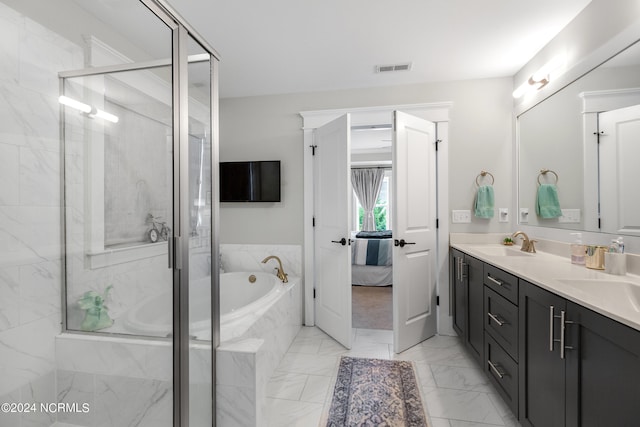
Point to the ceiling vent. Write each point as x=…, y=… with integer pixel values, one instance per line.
x=394, y=67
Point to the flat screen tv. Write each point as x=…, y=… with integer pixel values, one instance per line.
x=257, y=181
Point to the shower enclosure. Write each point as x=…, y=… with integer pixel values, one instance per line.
x=134, y=88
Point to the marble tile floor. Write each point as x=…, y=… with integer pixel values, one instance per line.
x=454, y=389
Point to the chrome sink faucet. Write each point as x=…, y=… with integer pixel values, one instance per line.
x=527, y=244
x=280, y=271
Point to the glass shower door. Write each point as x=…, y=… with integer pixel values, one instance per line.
x=117, y=131
x=202, y=255
x=139, y=209
x=119, y=214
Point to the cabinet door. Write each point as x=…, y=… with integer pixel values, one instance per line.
x=603, y=370
x=459, y=288
x=542, y=371
x=475, y=292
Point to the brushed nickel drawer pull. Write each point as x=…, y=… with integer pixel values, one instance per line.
x=495, y=318
x=496, y=369
x=496, y=281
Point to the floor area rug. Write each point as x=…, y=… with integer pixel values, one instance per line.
x=376, y=392
x=372, y=307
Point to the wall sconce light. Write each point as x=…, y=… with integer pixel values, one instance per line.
x=87, y=109
x=540, y=78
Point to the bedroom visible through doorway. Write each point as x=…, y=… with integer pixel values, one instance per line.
x=372, y=259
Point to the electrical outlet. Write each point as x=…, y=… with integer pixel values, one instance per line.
x=524, y=215
x=461, y=216
x=503, y=215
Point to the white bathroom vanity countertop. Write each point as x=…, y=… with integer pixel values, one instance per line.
x=617, y=297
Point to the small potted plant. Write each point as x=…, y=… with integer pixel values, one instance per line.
x=507, y=241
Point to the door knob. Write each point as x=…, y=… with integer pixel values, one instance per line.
x=342, y=241
x=401, y=243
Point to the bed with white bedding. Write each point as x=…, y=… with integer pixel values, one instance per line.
x=372, y=259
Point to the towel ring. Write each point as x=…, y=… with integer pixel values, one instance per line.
x=544, y=172
x=483, y=174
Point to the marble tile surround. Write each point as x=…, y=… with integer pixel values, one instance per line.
x=244, y=366
x=30, y=255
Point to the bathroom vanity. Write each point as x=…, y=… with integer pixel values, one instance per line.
x=561, y=343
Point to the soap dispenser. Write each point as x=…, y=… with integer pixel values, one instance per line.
x=578, y=250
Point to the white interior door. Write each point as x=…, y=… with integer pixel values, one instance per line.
x=619, y=153
x=332, y=212
x=414, y=231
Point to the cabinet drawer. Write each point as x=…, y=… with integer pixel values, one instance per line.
x=502, y=371
x=502, y=282
x=501, y=321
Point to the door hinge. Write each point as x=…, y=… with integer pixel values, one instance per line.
x=438, y=141
x=313, y=221
x=437, y=223
x=313, y=149
x=598, y=134
x=438, y=300
x=314, y=293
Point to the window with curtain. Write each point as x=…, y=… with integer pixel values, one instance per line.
x=382, y=209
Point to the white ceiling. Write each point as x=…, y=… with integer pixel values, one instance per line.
x=289, y=46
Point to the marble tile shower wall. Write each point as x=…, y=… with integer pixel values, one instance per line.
x=30, y=256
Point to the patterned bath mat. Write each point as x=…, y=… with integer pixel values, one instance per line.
x=375, y=392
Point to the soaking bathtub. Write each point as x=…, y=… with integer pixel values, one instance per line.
x=244, y=298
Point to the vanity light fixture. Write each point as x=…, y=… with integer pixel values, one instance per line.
x=87, y=109
x=540, y=78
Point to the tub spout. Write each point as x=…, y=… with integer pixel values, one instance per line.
x=280, y=271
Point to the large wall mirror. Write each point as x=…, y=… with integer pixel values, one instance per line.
x=585, y=140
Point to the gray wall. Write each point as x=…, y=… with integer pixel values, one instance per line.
x=269, y=127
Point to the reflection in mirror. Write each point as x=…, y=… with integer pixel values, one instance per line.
x=619, y=155
x=565, y=134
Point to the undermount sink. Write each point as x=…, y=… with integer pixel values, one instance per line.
x=617, y=290
x=501, y=251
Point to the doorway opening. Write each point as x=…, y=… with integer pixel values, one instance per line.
x=372, y=243
x=329, y=306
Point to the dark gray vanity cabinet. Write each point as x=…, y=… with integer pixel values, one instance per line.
x=602, y=371
x=593, y=381
x=459, y=292
x=500, y=317
x=467, y=274
x=475, y=338
x=542, y=374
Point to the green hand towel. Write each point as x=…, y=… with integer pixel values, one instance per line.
x=484, y=202
x=547, y=203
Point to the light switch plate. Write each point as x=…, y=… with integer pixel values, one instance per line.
x=524, y=215
x=461, y=216
x=503, y=215
x=570, y=216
